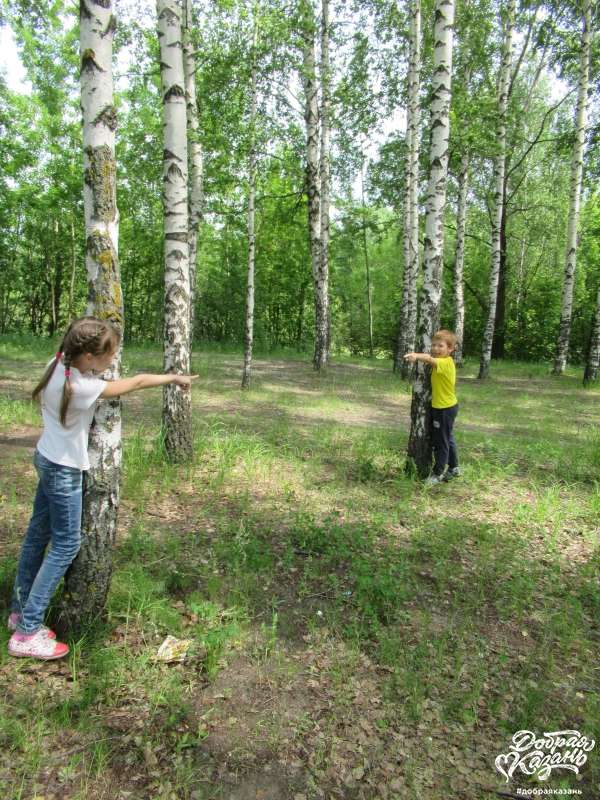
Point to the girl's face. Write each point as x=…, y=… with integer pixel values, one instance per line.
x=97, y=363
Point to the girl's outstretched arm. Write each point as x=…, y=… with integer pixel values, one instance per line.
x=128, y=385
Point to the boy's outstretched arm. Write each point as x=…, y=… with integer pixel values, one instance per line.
x=127, y=385
x=424, y=357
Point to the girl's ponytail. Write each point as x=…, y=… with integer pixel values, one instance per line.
x=51, y=367
x=67, y=390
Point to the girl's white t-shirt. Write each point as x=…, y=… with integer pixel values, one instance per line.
x=68, y=444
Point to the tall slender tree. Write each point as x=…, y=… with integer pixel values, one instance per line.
x=407, y=328
x=499, y=198
x=177, y=410
x=459, y=258
x=87, y=581
x=325, y=173
x=564, y=334
x=249, y=330
x=195, y=156
x=419, y=444
x=592, y=365
x=313, y=183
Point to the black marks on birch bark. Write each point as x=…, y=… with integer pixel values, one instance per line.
x=108, y=117
x=100, y=176
x=89, y=63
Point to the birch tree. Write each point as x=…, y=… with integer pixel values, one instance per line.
x=499, y=193
x=593, y=357
x=459, y=260
x=88, y=579
x=249, y=329
x=407, y=329
x=325, y=171
x=564, y=334
x=419, y=444
x=195, y=156
x=177, y=410
x=313, y=185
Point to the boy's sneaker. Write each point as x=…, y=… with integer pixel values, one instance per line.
x=452, y=473
x=36, y=645
x=433, y=480
x=15, y=618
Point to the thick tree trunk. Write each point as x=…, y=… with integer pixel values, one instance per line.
x=593, y=356
x=177, y=410
x=459, y=261
x=249, y=330
x=325, y=180
x=196, y=159
x=88, y=580
x=407, y=328
x=419, y=444
x=499, y=173
x=564, y=334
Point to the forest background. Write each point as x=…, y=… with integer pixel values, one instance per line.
x=42, y=276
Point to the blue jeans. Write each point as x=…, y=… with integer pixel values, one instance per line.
x=56, y=520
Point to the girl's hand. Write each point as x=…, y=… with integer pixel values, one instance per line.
x=185, y=381
x=412, y=357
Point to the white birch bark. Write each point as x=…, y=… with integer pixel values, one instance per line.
x=593, y=358
x=322, y=358
x=407, y=329
x=88, y=580
x=498, y=201
x=311, y=117
x=419, y=445
x=564, y=334
x=367, y=264
x=195, y=156
x=177, y=417
x=459, y=261
x=249, y=330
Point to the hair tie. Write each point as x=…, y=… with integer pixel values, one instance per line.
x=67, y=373
x=58, y=355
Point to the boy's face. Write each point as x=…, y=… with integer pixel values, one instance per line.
x=440, y=348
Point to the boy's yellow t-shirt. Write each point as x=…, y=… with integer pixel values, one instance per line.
x=443, y=381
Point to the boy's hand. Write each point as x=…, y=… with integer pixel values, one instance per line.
x=412, y=357
x=185, y=381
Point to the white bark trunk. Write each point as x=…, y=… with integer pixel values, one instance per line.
x=249, y=332
x=408, y=315
x=593, y=360
x=367, y=264
x=419, y=445
x=177, y=418
x=322, y=358
x=498, y=206
x=88, y=580
x=196, y=158
x=459, y=294
x=564, y=335
x=311, y=117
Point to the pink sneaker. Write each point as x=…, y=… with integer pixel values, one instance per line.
x=14, y=619
x=36, y=645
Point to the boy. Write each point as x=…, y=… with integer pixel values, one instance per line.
x=444, y=405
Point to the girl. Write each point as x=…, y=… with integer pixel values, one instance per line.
x=69, y=391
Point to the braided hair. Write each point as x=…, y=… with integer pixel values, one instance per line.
x=84, y=335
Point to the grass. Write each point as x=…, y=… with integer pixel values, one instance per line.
x=357, y=634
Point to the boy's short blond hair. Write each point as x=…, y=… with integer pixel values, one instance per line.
x=449, y=337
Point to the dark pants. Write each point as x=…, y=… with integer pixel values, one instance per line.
x=444, y=444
